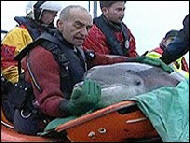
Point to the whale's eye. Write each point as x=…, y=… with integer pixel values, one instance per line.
x=137, y=83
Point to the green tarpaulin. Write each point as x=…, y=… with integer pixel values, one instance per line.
x=168, y=110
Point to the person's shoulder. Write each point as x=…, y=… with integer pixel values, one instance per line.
x=95, y=31
x=15, y=34
x=94, y=28
x=40, y=52
x=186, y=21
x=17, y=29
x=186, y=17
x=42, y=58
x=24, y=20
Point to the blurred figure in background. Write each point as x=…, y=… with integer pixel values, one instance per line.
x=40, y=15
x=180, y=65
x=180, y=46
x=109, y=35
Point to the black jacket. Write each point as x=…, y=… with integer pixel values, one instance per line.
x=180, y=46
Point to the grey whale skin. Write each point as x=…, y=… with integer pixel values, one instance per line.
x=122, y=81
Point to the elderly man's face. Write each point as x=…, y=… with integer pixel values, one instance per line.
x=115, y=13
x=75, y=29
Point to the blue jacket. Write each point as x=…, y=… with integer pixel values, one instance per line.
x=180, y=46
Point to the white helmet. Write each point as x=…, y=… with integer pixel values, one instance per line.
x=34, y=9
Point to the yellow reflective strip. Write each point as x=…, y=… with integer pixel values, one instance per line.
x=11, y=73
x=153, y=55
x=179, y=62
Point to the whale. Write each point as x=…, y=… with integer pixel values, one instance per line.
x=122, y=81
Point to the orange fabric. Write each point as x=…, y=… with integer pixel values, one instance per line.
x=117, y=130
x=10, y=135
x=117, y=126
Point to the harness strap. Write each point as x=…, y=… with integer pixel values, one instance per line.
x=33, y=28
x=32, y=76
x=113, y=43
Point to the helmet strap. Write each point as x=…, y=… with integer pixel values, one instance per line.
x=37, y=10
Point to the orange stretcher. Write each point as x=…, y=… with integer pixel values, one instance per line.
x=120, y=122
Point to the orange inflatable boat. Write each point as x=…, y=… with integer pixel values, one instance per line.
x=120, y=122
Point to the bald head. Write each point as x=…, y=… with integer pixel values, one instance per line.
x=74, y=23
x=68, y=11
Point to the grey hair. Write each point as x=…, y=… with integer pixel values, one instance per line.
x=65, y=13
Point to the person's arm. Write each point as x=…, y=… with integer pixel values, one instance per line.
x=46, y=72
x=101, y=59
x=94, y=59
x=180, y=45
